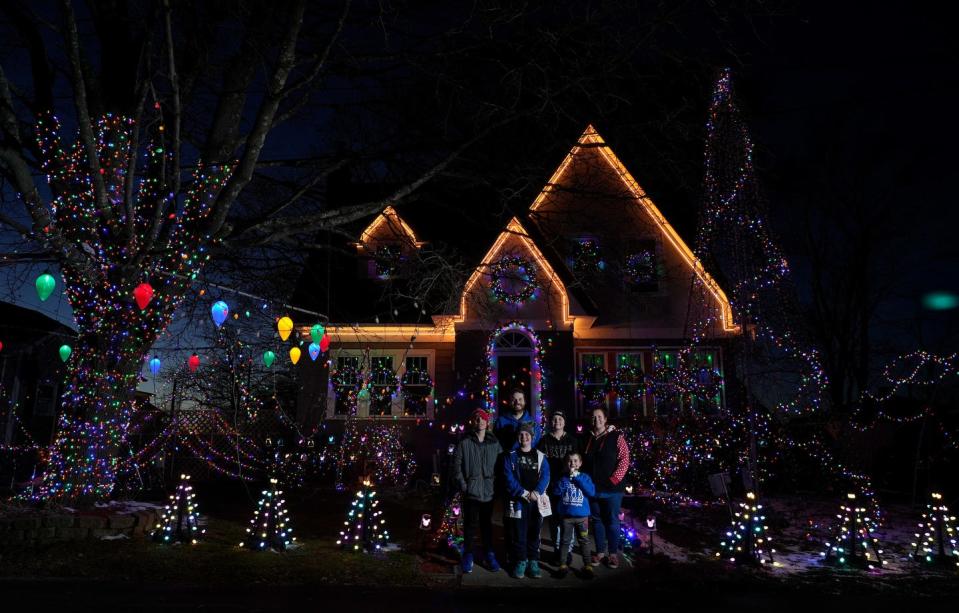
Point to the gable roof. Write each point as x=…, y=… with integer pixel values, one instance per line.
x=515, y=229
x=392, y=220
x=591, y=139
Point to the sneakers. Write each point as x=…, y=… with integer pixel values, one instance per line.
x=491, y=562
x=588, y=572
x=594, y=559
x=613, y=560
x=533, y=570
x=519, y=571
x=564, y=570
x=467, y=563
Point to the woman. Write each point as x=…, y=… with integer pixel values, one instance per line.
x=606, y=460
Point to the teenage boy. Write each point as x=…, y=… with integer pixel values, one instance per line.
x=527, y=477
x=557, y=444
x=474, y=466
x=573, y=492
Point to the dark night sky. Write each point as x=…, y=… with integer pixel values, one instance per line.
x=865, y=91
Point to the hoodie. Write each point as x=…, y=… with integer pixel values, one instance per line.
x=506, y=429
x=573, y=494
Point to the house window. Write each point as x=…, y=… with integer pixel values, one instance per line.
x=629, y=385
x=667, y=396
x=707, y=388
x=417, y=386
x=586, y=261
x=593, y=379
x=641, y=269
x=345, y=383
x=382, y=385
x=386, y=261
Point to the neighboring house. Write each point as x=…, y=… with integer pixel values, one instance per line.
x=31, y=374
x=594, y=279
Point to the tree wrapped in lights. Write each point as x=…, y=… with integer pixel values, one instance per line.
x=734, y=237
x=936, y=535
x=269, y=528
x=180, y=521
x=747, y=541
x=853, y=542
x=450, y=531
x=377, y=451
x=364, y=527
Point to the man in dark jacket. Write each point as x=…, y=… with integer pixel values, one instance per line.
x=606, y=460
x=507, y=423
x=474, y=466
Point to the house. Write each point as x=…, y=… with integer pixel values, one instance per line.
x=583, y=297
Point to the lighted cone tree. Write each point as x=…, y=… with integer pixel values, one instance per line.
x=270, y=527
x=364, y=527
x=936, y=535
x=747, y=541
x=450, y=532
x=853, y=542
x=180, y=521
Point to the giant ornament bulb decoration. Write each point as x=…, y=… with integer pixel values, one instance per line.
x=193, y=362
x=295, y=355
x=317, y=332
x=219, y=311
x=284, y=327
x=143, y=294
x=268, y=358
x=65, y=351
x=45, y=286
x=313, y=348
x=155, y=365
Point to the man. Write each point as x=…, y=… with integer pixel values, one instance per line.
x=557, y=444
x=606, y=459
x=507, y=424
x=474, y=466
x=527, y=479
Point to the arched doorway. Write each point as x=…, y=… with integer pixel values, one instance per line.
x=514, y=357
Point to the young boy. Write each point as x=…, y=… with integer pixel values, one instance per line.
x=527, y=477
x=572, y=493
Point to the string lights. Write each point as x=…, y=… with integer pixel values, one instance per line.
x=853, y=543
x=364, y=527
x=746, y=541
x=269, y=528
x=936, y=535
x=513, y=279
x=180, y=521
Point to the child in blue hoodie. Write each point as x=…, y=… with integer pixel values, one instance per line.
x=572, y=493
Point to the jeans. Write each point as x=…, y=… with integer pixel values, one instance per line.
x=579, y=525
x=525, y=532
x=555, y=528
x=476, y=512
x=604, y=517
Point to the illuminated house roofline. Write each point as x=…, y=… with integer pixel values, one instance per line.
x=515, y=229
x=391, y=217
x=591, y=137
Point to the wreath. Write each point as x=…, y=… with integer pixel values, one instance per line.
x=517, y=269
x=640, y=267
x=387, y=260
x=345, y=377
x=629, y=383
x=594, y=383
x=383, y=382
x=707, y=382
x=416, y=377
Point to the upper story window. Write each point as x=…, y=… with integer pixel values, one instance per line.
x=641, y=268
x=385, y=245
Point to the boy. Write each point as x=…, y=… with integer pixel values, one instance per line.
x=473, y=469
x=527, y=477
x=557, y=445
x=572, y=493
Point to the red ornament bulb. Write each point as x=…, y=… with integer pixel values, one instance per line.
x=193, y=362
x=143, y=294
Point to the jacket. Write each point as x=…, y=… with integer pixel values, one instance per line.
x=557, y=450
x=511, y=470
x=572, y=494
x=506, y=429
x=474, y=466
x=606, y=458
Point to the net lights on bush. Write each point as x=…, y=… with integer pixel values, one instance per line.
x=269, y=528
x=364, y=527
x=180, y=521
x=853, y=543
x=747, y=541
x=936, y=536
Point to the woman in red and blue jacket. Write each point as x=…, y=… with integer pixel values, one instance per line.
x=606, y=460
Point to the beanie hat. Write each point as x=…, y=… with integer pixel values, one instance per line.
x=482, y=413
x=526, y=426
x=560, y=413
